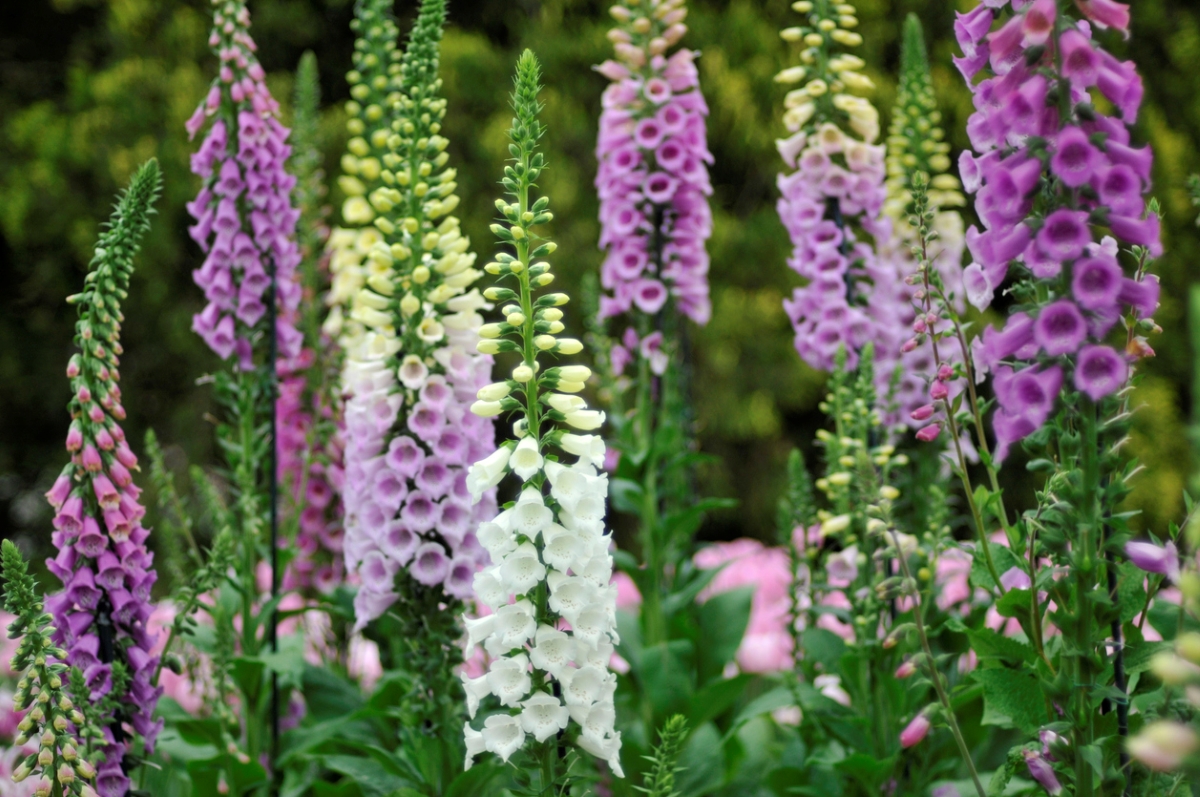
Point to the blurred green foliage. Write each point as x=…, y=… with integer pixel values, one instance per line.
x=90, y=88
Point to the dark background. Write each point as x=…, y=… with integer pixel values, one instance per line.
x=90, y=89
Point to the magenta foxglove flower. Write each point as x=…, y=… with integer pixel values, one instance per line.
x=1041, y=771
x=245, y=222
x=653, y=174
x=100, y=616
x=1093, y=183
x=915, y=732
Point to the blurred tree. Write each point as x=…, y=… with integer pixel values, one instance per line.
x=89, y=88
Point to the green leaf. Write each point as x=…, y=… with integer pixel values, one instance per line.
x=625, y=495
x=475, y=781
x=247, y=672
x=1015, y=695
x=723, y=619
x=702, y=762
x=868, y=770
x=200, y=732
x=370, y=775
x=712, y=701
x=988, y=644
x=686, y=596
x=667, y=676
x=1002, y=557
x=288, y=662
x=1015, y=603
x=822, y=646
x=329, y=696
x=778, y=697
x=1139, y=656
x=1131, y=591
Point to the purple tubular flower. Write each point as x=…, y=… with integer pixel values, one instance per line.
x=1100, y=371
x=1060, y=328
x=251, y=154
x=1096, y=283
x=1084, y=173
x=1041, y=771
x=102, y=560
x=1153, y=558
x=653, y=170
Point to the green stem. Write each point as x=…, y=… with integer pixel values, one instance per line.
x=935, y=675
x=1085, y=581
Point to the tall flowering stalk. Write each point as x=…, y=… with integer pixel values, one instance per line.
x=653, y=176
x=655, y=219
x=60, y=765
x=915, y=144
x=1060, y=192
x=412, y=370
x=310, y=457
x=832, y=203
x=245, y=224
x=550, y=560
x=100, y=616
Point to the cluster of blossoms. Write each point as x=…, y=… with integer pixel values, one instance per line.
x=51, y=718
x=411, y=368
x=653, y=179
x=915, y=145
x=245, y=222
x=1051, y=173
x=100, y=616
x=552, y=625
x=308, y=429
x=832, y=204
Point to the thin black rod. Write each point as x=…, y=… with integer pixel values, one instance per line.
x=273, y=498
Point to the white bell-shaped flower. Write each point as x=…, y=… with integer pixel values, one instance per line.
x=476, y=690
x=478, y=629
x=515, y=625
x=508, y=679
x=569, y=595
x=489, y=589
x=565, y=403
x=503, y=735
x=553, y=650
x=475, y=744
x=526, y=459
x=521, y=569
x=596, y=569
x=531, y=514
x=487, y=472
x=583, y=687
x=543, y=716
x=591, y=625
x=588, y=447
x=496, y=536
x=606, y=746
x=564, y=549
x=599, y=656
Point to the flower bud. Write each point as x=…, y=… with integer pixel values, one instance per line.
x=522, y=373
x=486, y=409
x=494, y=391
x=916, y=731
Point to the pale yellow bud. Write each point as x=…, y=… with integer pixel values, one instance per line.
x=522, y=373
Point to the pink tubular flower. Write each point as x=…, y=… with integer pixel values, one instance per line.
x=916, y=731
x=653, y=181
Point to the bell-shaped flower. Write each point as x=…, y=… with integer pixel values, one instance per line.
x=503, y=735
x=521, y=569
x=586, y=686
x=543, y=716
x=476, y=689
x=609, y=750
x=592, y=625
x=508, y=679
x=475, y=744
x=570, y=595
x=563, y=548
x=515, y=625
x=478, y=629
x=531, y=514
x=553, y=651
x=526, y=460
x=488, y=588
x=487, y=472
x=496, y=536
x=588, y=447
